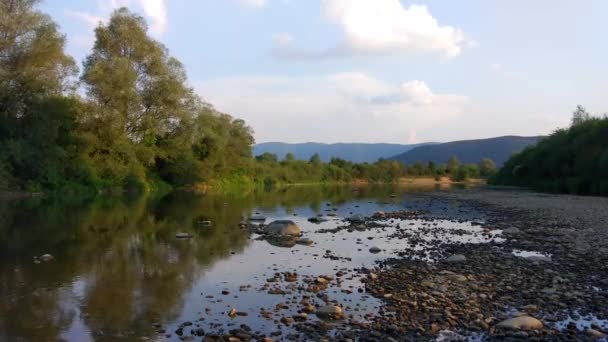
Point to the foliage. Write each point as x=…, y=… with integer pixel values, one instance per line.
x=135, y=124
x=572, y=160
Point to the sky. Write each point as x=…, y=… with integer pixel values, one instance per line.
x=377, y=70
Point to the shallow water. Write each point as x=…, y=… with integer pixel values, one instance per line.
x=118, y=268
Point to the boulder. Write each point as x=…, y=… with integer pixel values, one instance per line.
x=283, y=228
x=456, y=258
x=329, y=312
x=375, y=250
x=521, y=323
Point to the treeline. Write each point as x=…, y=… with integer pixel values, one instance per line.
x=269, y=170
x=128, y=121
x=573, y=160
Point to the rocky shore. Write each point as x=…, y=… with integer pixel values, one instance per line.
x=538, y=271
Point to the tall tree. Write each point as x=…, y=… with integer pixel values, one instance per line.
x=37, y=142
x=141, y=101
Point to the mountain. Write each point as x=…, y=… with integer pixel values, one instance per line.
x=498, y=149
x=355, y=152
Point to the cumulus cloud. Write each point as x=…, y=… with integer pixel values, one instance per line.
x=338, y=107
x=384, y=27
x=155, y=12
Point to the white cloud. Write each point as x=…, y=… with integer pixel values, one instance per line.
x=384, y=27
x=344, y=107
x=254, y=3
x=155, y=12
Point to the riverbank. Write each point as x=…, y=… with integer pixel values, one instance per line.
x=551, y=271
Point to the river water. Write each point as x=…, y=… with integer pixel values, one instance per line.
x=118, y=272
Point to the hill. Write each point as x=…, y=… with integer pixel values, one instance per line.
x=355, y=152
x=468, y=151
x=572, y=160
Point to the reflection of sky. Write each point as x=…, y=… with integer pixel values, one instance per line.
x=260, y=261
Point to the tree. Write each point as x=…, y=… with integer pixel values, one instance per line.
x=453, y=164
x=487, y=167
x=289, y=157
x=37, y=141
x=580, y=115
x=315, y=160
x=140, y=97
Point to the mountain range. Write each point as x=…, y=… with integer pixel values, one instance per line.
x=498, y=149
x=355, y=152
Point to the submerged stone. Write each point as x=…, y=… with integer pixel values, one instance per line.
x=283, y=228
x=521, y=323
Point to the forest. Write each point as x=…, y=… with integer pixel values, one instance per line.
x=129, y=120
x=572, y=160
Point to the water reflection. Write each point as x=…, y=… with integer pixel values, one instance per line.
x=117, y=266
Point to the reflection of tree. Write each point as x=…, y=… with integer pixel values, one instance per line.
x=131, y=270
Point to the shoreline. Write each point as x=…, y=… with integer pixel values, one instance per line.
x=566, y=277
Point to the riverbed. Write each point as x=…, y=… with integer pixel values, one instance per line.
x=188, y=267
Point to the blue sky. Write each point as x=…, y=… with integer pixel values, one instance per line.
x=377, y=71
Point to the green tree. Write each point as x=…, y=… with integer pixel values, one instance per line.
x=453, y=164
x=487, y=167
x=580, y=115
x=140, y=101
x=37, y=123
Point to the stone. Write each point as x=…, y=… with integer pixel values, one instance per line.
x=521, y=323
x=375, y=250
x=46, y=257
x=283, y=228
x=595, y=334
x=329, y=312
x=183, y=235
x=304, y=241
x=511, y=231
x=456, y=258
x=356, y=218
x=257, y=217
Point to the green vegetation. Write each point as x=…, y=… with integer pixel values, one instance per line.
x=572, y=160
x=131, y=122
x=139, y=127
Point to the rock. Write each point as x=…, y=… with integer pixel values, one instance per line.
x=304, y=241
x=257, y=218
x=356, y=218
x=317, y=219
x=283, y=228
x=595, y=334
x=455, y=277
x=46, y=257
x=183, y=235
x=204, y=222
x=511, y=231
x=375, y=250
x=456, y=258
x=232, y=313
x=539, y=258
x=329, y=312
x=521, y=323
